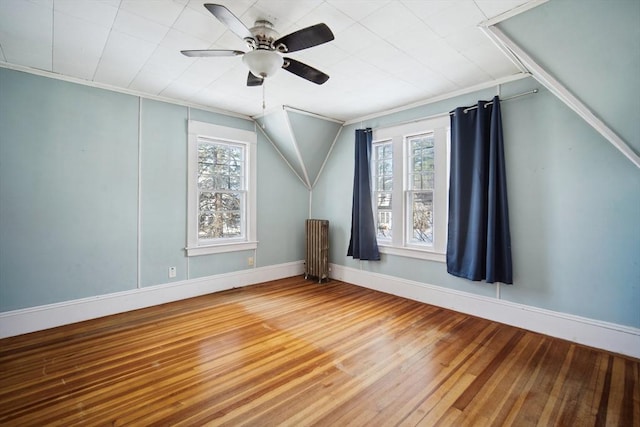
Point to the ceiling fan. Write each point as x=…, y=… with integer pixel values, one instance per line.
x=265, y=56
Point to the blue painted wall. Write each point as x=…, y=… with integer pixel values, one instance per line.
x=68, y=191
x=574, y=204
x=69, y=182
x=69, y=202
x=574, y=199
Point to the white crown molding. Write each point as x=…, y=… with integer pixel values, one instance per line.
x=590, y=332
x=513, y=12
x=444, y=97
x=62, y=77
x=33, y=319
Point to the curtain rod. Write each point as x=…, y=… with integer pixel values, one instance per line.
x=505, y=99
x=433, y=116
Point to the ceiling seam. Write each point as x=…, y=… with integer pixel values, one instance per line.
x=93, y=76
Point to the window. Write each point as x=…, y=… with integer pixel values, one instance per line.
x=410, y=186
x=221, y=196
x=383, y=187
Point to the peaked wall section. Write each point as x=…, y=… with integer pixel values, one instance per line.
x=303, y=140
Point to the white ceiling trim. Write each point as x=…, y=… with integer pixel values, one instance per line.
x=513, y=12
x=471, y=89
x=133, y=92
x=309, y=113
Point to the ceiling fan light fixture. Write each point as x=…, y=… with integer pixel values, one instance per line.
x=263, y=63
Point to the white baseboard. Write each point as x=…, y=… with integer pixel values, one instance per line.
x=33, y=319
x=593, y=333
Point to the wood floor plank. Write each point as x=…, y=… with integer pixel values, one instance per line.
x=295, y=353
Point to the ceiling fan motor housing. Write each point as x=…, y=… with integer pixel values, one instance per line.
x=263, y=36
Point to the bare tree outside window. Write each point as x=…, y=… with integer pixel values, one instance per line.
x=383, y=187
x=421, y=176
x=221, y=188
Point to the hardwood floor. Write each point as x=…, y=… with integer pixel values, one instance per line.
x=295, y=353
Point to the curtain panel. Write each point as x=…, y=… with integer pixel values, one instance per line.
x=363, y=244
x=479, y=240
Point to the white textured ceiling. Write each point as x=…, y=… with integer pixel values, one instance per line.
x=386, y=53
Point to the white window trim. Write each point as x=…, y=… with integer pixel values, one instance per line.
x=224, y=134
x=398, y=245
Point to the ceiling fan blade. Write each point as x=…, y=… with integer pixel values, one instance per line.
x=211, y=52
x=305, y=38
x=253, y=80
x=305, y=71
x=225, y=16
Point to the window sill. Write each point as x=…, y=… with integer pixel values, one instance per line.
x=413, y=253
x=221, y=248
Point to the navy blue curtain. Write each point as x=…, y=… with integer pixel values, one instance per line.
x=479, y=240
x=363, y=243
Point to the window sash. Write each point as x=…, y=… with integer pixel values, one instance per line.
x=420, y=176
x=221, y=211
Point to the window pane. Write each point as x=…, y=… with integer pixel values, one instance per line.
x=205, y=182
x=384, y=200
x=422, y=216
x=220, y=167
x=216, y=202
x=220, y=215
x=382, y=164
x=416, y=182
x=220, y=225
x=383, y=225
x=387, y=183
x=210, y=225
x=388, y=167
x=209, y=202
x=232, y=224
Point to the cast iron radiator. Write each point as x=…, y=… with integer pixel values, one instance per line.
x=317, y=256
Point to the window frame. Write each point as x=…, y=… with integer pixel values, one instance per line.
x=210, y=133
x=400, y=243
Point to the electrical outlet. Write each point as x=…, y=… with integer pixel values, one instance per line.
x=172, y=272
x=250, y=261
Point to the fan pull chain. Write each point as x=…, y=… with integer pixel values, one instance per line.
x=263, y=103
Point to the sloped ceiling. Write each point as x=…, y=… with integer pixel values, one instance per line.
x=303, y=140
x=596, y=57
